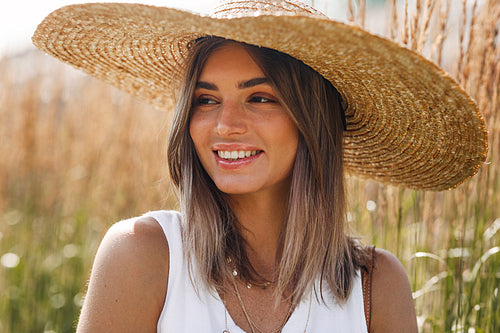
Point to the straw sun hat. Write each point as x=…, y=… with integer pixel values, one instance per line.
x=408, y=123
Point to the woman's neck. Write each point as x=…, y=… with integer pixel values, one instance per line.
x=261, y=217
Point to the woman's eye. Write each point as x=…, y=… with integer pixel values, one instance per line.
x=205, y=100
x=261, y=99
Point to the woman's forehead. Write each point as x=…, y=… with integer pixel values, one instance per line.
x=233, y=61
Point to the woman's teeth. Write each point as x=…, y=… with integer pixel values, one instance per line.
x=233, y=155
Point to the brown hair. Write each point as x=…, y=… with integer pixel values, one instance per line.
x=314, y=242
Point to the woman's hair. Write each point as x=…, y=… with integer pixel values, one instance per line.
x=313, y=242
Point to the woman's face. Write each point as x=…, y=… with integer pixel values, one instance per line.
x=244, y=138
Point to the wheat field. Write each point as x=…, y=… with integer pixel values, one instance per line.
x=78, y=155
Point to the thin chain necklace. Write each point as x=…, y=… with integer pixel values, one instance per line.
x=226, y=330
x=251, y=323
x=249, y=319
x=250, y=284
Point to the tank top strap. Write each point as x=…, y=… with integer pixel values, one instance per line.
x=171, y=223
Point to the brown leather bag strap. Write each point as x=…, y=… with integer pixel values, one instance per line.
x=366, y=278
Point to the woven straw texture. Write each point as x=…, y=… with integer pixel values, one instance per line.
x=408, y=123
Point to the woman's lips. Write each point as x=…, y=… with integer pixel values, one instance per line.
x=236, y=154
x=236, y=159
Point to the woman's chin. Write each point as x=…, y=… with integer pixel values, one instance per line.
x=235, y=190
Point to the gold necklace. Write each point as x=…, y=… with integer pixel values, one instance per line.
x=249, y=319
x=226, y=330
x=249, y=283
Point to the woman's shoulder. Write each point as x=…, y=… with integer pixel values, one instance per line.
x=134, y=238
x=139, y=233
x=392, y=303
x=128, y=280
x=140, y=243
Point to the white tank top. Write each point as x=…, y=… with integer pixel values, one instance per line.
x=185, y=311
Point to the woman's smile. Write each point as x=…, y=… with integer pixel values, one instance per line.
x=244, y=137
x=236, y=155
x=236, y=159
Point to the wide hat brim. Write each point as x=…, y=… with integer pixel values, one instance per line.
x=408, y=122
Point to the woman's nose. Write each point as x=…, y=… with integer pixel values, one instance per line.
x=230, y=120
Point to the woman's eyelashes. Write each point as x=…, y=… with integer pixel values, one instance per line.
x=261, y=99
x=254, y=99
x=205, y=100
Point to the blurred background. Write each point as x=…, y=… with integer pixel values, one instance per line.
x=77, y=155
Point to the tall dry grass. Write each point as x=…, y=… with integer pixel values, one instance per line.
x=449, y=241
x=77, y=155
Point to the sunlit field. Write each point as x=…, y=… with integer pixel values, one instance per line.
x=78, y=155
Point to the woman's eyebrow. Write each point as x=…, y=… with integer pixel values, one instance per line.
x=206, y=85
x=252, y=82
x=241, y=85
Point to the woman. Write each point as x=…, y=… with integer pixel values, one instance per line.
x=256, y=152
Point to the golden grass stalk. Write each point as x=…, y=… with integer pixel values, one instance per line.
x=393, y=23
x=405, y=28
x=437, y=46
x=358, y=16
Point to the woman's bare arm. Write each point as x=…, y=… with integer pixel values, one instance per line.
x=129, y=279
x=392, y=308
